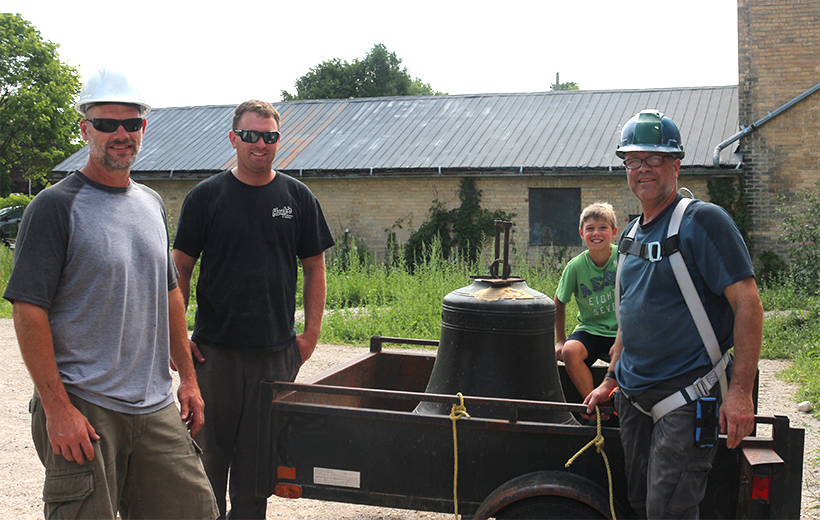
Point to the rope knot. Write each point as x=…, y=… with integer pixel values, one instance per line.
x=459, y=411
x=598, y=442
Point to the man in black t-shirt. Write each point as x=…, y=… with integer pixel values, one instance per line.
x=249, y=225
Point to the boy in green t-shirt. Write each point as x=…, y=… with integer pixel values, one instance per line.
x=590, y=277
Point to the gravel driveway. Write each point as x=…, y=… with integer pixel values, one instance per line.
x=22, y=474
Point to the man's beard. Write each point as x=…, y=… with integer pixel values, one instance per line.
x=112, y=162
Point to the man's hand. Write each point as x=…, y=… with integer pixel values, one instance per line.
x=600, y=395
x=306, y=346
x=191, y=406
x=194, y=352
x=737, y=418
x=71, y=434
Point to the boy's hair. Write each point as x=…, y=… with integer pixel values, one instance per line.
x=599, y=211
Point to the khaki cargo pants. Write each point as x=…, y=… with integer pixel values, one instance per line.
x=145, y=466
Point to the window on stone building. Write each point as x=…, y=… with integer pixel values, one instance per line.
x=554, y=214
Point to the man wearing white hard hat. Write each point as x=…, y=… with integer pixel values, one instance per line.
x=99, y=319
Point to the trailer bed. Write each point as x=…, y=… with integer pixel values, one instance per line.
x=351, y=435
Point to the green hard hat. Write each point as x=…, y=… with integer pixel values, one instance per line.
x=650, y=131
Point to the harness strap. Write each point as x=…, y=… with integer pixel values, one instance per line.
x=700, y=388
x=652, y=251
x=693, y=302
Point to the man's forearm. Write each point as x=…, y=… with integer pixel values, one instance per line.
x=748, y=335
x=37, y=349
x=180, y=350
x=314, y=293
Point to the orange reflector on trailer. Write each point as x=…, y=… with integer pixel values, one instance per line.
x=761, y=487
x=286, y=472
x=288, y=491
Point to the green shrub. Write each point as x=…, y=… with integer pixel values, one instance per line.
x=802, y=233
x=770, y=269
x=460, y=232
x=15, y=199
x=6, y=264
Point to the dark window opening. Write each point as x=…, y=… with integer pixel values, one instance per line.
x=554, y=214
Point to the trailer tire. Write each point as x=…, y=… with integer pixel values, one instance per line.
x=547, y=508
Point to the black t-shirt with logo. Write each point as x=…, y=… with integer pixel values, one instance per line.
x=249, y=238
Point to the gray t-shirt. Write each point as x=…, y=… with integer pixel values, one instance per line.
x=98, y=259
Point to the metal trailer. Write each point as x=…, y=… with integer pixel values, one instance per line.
x=351, y=435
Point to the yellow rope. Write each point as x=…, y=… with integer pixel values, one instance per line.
x=598, y=441
x=459, y=411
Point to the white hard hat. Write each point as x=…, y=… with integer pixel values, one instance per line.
x=109, y=86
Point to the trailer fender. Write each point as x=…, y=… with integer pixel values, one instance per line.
x=559, y=484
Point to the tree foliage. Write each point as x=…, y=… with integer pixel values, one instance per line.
x=38, y=126
x=566, y=85
x=379, y=74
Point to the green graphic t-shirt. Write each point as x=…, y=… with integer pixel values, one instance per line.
x=594, y=290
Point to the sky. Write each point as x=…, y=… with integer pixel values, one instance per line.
x=220, y=52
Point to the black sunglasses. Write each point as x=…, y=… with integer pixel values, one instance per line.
x=110, y=125
x=252, y=136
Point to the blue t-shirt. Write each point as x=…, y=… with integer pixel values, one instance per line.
x=660, y=338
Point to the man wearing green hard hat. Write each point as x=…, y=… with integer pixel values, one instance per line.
x=685, y=295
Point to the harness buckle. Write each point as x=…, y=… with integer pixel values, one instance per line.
x=653, y=250
x=703, y=385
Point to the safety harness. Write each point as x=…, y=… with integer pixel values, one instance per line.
x=654, y=252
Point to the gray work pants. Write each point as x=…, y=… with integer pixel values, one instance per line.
x=229, y=382
x=666, y=473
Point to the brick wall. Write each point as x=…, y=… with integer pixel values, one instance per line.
x=779, y=59
x=366, y=207
x=173, y=194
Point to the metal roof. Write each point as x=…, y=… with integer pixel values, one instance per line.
x=542, y=131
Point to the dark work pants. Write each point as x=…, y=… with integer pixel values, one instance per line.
x=229, y=382
x=666, y=473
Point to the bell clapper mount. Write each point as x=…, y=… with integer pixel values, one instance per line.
x=502, y=262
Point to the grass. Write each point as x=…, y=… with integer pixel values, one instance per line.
x=366, y=299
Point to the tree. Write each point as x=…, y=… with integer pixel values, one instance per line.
x=38, y=126
x=379, y=74
x=567, y=85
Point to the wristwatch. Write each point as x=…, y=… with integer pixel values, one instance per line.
x=611, y=374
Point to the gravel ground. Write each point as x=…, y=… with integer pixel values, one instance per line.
x=22, y=474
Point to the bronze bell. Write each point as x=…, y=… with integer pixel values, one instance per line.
x=497, y=340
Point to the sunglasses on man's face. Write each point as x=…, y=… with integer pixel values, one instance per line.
x=252, y=136
x=110, y=125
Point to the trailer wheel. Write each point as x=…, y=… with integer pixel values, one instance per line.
x=546, y=508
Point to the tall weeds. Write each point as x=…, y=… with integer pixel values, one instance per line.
x=366, y=298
